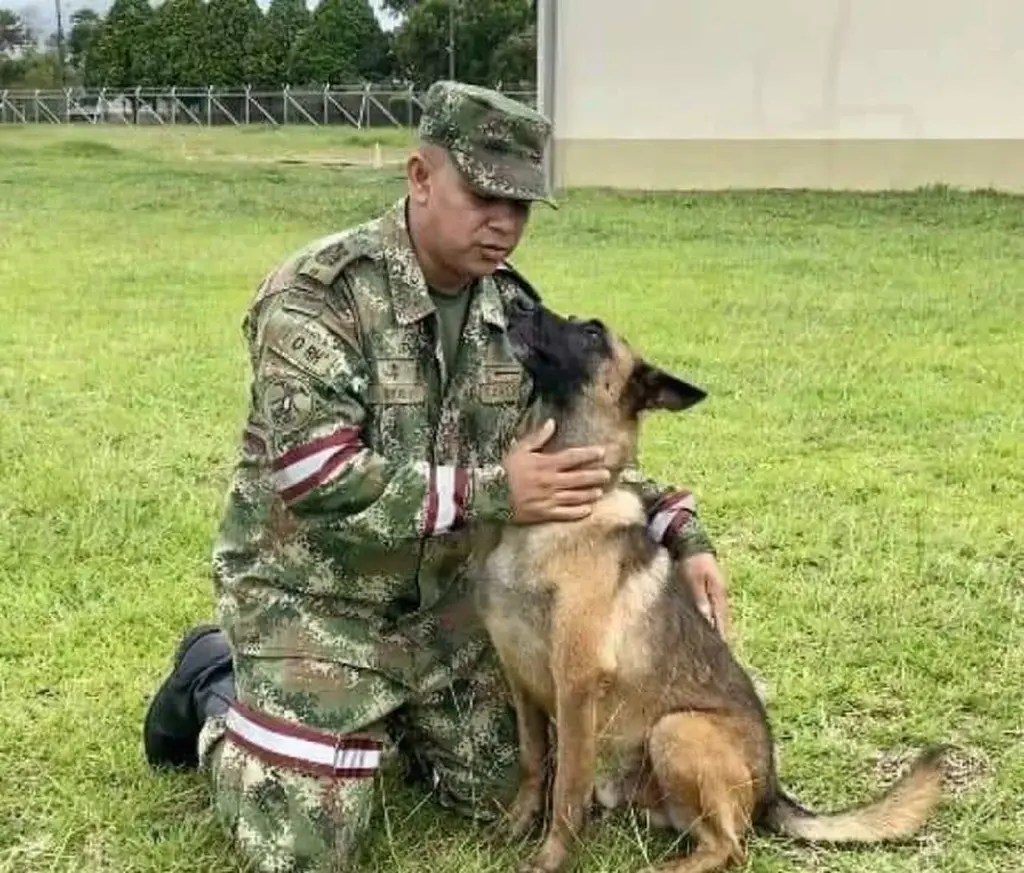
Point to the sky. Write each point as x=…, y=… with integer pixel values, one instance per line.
x=42, y=14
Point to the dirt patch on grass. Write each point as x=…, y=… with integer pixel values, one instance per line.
x=83, y=148
x=365, y=160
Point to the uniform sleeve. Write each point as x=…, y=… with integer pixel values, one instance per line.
x=311, y=397
x=672, y=518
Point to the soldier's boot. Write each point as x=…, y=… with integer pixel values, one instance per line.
x=201, y=685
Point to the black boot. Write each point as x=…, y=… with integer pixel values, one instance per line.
x=200, y=685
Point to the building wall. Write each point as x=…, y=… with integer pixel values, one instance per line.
x=791, y=93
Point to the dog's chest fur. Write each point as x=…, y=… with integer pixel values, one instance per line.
x=599, y=578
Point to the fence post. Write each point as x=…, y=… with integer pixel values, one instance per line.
x=209, y=105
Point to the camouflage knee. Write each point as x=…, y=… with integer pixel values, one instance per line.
x=465, y=735
x=285, y=804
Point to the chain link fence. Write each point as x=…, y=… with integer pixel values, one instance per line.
x=359, y=106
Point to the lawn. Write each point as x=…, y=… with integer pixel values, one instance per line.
x=860, y=463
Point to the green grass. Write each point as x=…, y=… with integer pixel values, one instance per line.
x=859, y=464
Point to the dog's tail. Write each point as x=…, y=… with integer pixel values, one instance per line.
x=897, y=814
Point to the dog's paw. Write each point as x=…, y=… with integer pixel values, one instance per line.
x=551, y=858
x=524, y=815
x=506, y=834
x=532, y=866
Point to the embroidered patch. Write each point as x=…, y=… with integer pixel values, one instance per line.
x=499, y=392
x=287, y=403
x=399, y=383
x=397, y=369
x=307, y=346
x=501, y=383
x=398, y=394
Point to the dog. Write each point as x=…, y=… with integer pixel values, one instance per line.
x=595, y=631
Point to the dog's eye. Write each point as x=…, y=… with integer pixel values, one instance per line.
x=593, y=328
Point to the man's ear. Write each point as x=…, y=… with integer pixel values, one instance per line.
x=417, y=172
x=653, y=388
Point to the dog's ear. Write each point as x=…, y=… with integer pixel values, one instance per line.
x=652, y=388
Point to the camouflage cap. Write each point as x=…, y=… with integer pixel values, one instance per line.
x=496, y=142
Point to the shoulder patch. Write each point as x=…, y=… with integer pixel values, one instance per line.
x=300, y=340
x=328, y=259
x=305, y=304
x=286, y=402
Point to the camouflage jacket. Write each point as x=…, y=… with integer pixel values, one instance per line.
x=338, y=564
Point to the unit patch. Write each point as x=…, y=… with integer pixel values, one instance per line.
x=287, y=403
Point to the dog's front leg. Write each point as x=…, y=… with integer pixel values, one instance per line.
x=574, y=773
x=531, y=725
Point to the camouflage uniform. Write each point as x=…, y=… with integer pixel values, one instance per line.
x=366, y=456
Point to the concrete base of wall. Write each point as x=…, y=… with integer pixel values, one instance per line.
x=864, y=165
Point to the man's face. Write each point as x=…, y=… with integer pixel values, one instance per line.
x=471, y=235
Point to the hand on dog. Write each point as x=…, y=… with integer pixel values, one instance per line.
x=557, y=486
x=702, y=573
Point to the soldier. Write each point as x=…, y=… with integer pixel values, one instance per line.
x=384, y=400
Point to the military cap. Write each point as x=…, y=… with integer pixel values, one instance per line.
x=497, y=143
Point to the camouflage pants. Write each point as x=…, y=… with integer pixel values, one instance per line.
x=286, y=819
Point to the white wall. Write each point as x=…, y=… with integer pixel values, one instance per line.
x=793, y=69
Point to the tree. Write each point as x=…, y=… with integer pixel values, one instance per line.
x=340, y=46
x=421, y=42
x=276, y=42
x=126, y=49
x=32, y=68
x=495, y=41
x=514, y=61
x=399, y=7
x=235, y=28
x=180, y=45
x=377, y=59
x=85, y=24
x=15, y=33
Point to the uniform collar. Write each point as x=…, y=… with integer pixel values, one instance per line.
x=492, y=310
x=410, y=294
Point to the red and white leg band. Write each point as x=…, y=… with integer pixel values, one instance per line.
x=306, y=750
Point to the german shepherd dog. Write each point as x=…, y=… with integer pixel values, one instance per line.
x=596, y=631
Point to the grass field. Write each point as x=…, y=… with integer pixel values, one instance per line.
x=860, y=464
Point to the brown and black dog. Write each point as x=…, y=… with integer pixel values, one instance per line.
x=595, y=631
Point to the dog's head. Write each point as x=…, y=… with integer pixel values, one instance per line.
x=581, y=370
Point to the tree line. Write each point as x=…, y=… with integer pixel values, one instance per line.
x=234, y=43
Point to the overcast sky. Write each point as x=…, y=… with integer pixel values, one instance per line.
x=42, y=14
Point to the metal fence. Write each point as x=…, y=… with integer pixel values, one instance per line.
x=359, y=106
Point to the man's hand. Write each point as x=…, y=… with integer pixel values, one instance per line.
x=702, y=574
x=559, y=486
